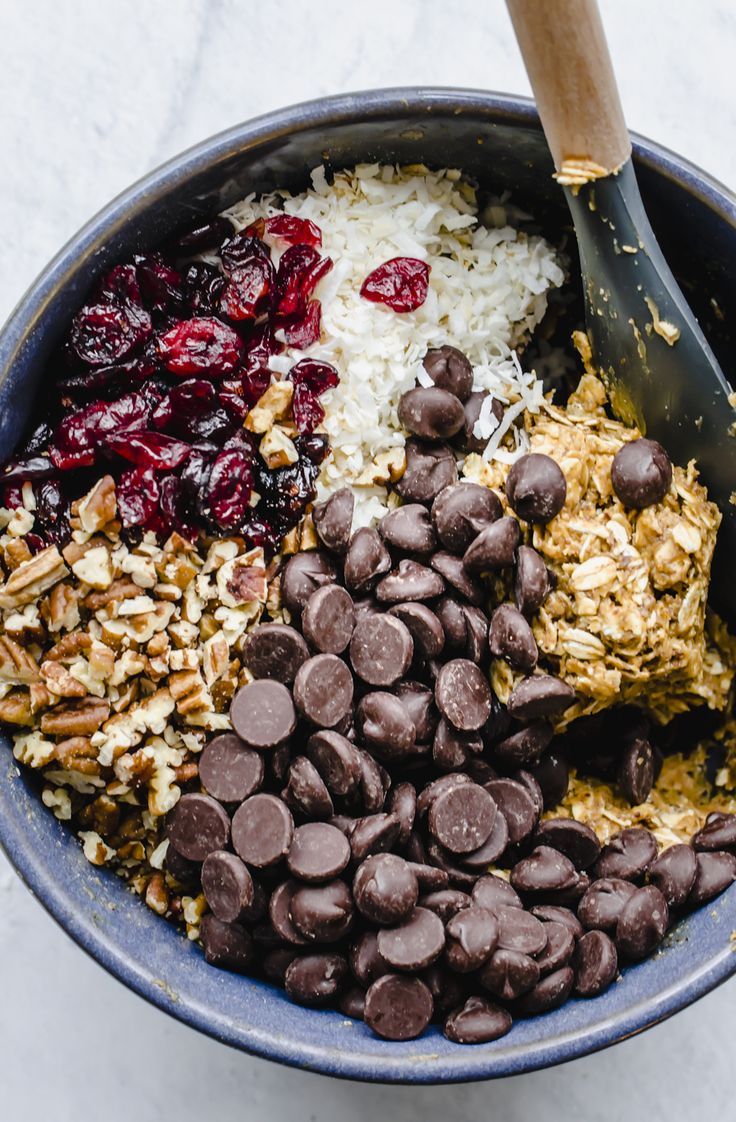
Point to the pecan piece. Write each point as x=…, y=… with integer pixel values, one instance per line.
x=121, y=589
x=60, y=682
x=62, y=608
x=69, y=646
x=102, y=815
x=16, y=664
x=15, y=708
x=98, y=507
x=15, y=552
x=188, y=689
x=32, y=578
x=76, y=718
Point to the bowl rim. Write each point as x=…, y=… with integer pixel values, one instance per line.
x=37, y=875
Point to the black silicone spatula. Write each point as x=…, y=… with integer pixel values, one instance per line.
x=660, y=370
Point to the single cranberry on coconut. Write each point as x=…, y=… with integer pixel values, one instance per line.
x=311, y=379
x=202, y=345
x=303, y=331
x=401, y=283
x=300, y=270
x=247, y=289
x=288, y=229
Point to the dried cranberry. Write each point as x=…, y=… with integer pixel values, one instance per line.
x=308, y=413
x=78, y=435
x=200, y=346
x=316, y=376
x=52, y=512
x=190, y=411
x=120, y=286
x=260, y=533
x=240, y=249
x=292, y=230
x=150, y=449
x=303, y=332
x=137, y=494
x=35, y=467
x=105, y=381
x=203, y=286
x=230, y=486
x=312, y=446
x=173, y=507
x=12, y=496
x=247, y=289
x=401, y=283
x=259, y=348
x=240, y=396
x=105, y=333
x=300, y=270
x=161, y=284
x=38, y=440
x=194, y=478
x=205, y=236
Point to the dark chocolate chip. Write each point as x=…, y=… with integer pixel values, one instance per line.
x=541, y=695
x=451, y=748
x=559, y=949
x=306, y=790
x=498, y=839
x=276, y=651
x=429, y=877
x=318, y=852
x=530, y=784
x=461, y=819
x=508, y=974
x=603, y=903
x=636, y=771
x=365, y=959
x=549, y=993
x=536, y=488
x=445, y=902
x=450, y=370
x=434, y=789
x=228, y=887
x=333, y=520
x=336, y=760
x=351, y=1003
x=431, y=413
x=385, y=889
x=466, y=439
x=493, y=892
x=424, y=627
x=375, y=833
x=279, y=912
x=453, y=570
x=402, y=803
x=471, y=938
x=463, y=694
x=315, y=979
x=262, y=830
x=642, y=924
x=385, y=726
x=398, y=1008
x=323, y=913
x=418, y=700
x=414, y=944
x=452, y=617
x=715, y=872
x=263, y=714
x=381, y=649
x=366, y=560
x=673, y=873
x=276, y=962
x=226, y=944
x=719, y=832
x=627, y=855
x=641, y=473
x=494, y=548
x=553, y=913
x=229, y=770
x=544, y=870
x=477, y=1022
x=303, y=573
x=510, y=637
x=519, y=930
x=476, y=633
x=409, y=529
x=531, y=585
x=516, y=805
x=429, y=469
x=596, y=964
x=328, y=619
x=553, y=776
x=576, y=840
x=447, y=988
x=410, y=582
x=197, y=826
x=323, y=690
x=461, y=512
x=524, y=747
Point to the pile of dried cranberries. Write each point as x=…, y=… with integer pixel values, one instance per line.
x=157, y=374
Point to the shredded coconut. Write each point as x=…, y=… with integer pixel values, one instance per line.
x=488, y=290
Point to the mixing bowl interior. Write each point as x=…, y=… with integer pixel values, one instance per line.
x=498, y=141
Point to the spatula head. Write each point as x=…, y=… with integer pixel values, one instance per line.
x=661, y=372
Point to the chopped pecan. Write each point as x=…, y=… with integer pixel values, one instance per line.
x=77, y=754
x=186, y=772
x=60, y=682
x=189, y=691
x=277, y=449
x=15, y=552
x=102, y=815
x=134, y=768
x=120, y=589
x=216, y=657
x=127, y=696
x=32, y=578
x=16, y=664
x=76, y=718
x=116, y=633
x=159, y=645
x=243, y=579
x=176, y=569
x=15, y=708
x=95, y=568
x=70, y=646
x=157, y=895
x=98, y=507
x=40, y=697
x=101, y=661
x=62, y=608
x=271, y=406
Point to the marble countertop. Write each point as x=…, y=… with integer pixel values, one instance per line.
x=94, y=95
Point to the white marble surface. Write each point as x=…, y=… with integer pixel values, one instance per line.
x=94, y=94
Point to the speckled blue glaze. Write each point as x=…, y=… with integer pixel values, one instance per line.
x=498, y=139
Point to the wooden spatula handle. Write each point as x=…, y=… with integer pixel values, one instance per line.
x=568, y=63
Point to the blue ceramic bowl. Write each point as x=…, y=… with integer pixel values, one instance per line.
x=498, y=139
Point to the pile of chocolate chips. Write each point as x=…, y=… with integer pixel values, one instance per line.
x=346, y=827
